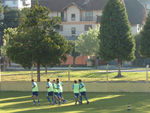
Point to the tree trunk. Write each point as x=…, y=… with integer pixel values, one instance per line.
x=74, y=60
x=119, y=69
x=8, y=62
x=38, y=72
x=96, y=63
x=4, y=68
x=46, y=69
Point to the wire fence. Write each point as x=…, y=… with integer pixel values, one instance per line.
x=87, y=74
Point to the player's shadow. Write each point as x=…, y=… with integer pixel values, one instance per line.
x=99, y=102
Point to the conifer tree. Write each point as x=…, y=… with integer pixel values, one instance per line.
x=116, y=39
x=144, y=48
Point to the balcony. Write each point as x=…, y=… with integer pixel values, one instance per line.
x=63, y=19
x=96, y=19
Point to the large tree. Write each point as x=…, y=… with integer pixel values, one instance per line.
x=36, y=40
x=116, y=39
x=144, y=48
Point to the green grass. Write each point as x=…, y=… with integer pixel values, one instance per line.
x=20, y=102
x=86, y=75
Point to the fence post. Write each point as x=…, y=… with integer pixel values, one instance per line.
x=69, y=77
x=147, y=73
x=107, y=75
x=32, y=71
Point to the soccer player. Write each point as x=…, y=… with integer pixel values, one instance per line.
x=35, y=92
x=55, y=91
x=50, y=91
x=60, y=91
x=82, y=91
x=76, y=88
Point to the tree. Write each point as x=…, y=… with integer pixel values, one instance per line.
x=144, y=48
x=116, y=39
x=74, y=54
x=88, y=44
x=1, y=9
x=36, y=41
x=1, y=23
x=11, y=17
x=8, y=33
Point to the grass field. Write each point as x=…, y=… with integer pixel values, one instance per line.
x=20, y=102
x=86, y=75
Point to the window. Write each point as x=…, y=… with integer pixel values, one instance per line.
x=89, y=16
x=73, y=30
x=61, y=27
x=86, y=27
x=62, y=16
x=73, y=17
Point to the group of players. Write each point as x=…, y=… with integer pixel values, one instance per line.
x=55, y=90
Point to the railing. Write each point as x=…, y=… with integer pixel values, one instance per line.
x=88, y=19
x=64, y=19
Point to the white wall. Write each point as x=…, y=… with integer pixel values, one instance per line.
x=79, y=29
x=18, y=4
x=134, y=29
x=21, y=6
x=52, y=14
x=100, y=87
x=10, y=4
x=73, y=10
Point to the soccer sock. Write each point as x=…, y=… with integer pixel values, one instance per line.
x=33, y=101
x=59, y=103
x=38, y=101
x=64, y=100
x=86, y=98
x=53, y=100
x=81, y=99
x=48, y=99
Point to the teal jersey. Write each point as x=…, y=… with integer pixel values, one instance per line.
x=35, y=89
x=83, y=89
x=76, y=88
x=55, y=87
x=50, y=89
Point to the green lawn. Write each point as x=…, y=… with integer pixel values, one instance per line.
x=86, y=75
x=18, y=102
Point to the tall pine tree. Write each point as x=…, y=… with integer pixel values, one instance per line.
x=116, y=39
x=144, y=48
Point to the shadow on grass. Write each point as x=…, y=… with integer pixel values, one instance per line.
x=99, y=102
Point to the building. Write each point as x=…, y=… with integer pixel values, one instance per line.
x=146, y=4
x=78, y=15
x=136, y=15
x=19, y=4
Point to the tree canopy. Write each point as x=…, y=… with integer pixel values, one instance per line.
x=116, y=39
x=144, y=48
x=88, y=44
x=36, y=40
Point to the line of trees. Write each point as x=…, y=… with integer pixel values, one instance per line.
x=35, y=41
x=115, y=39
